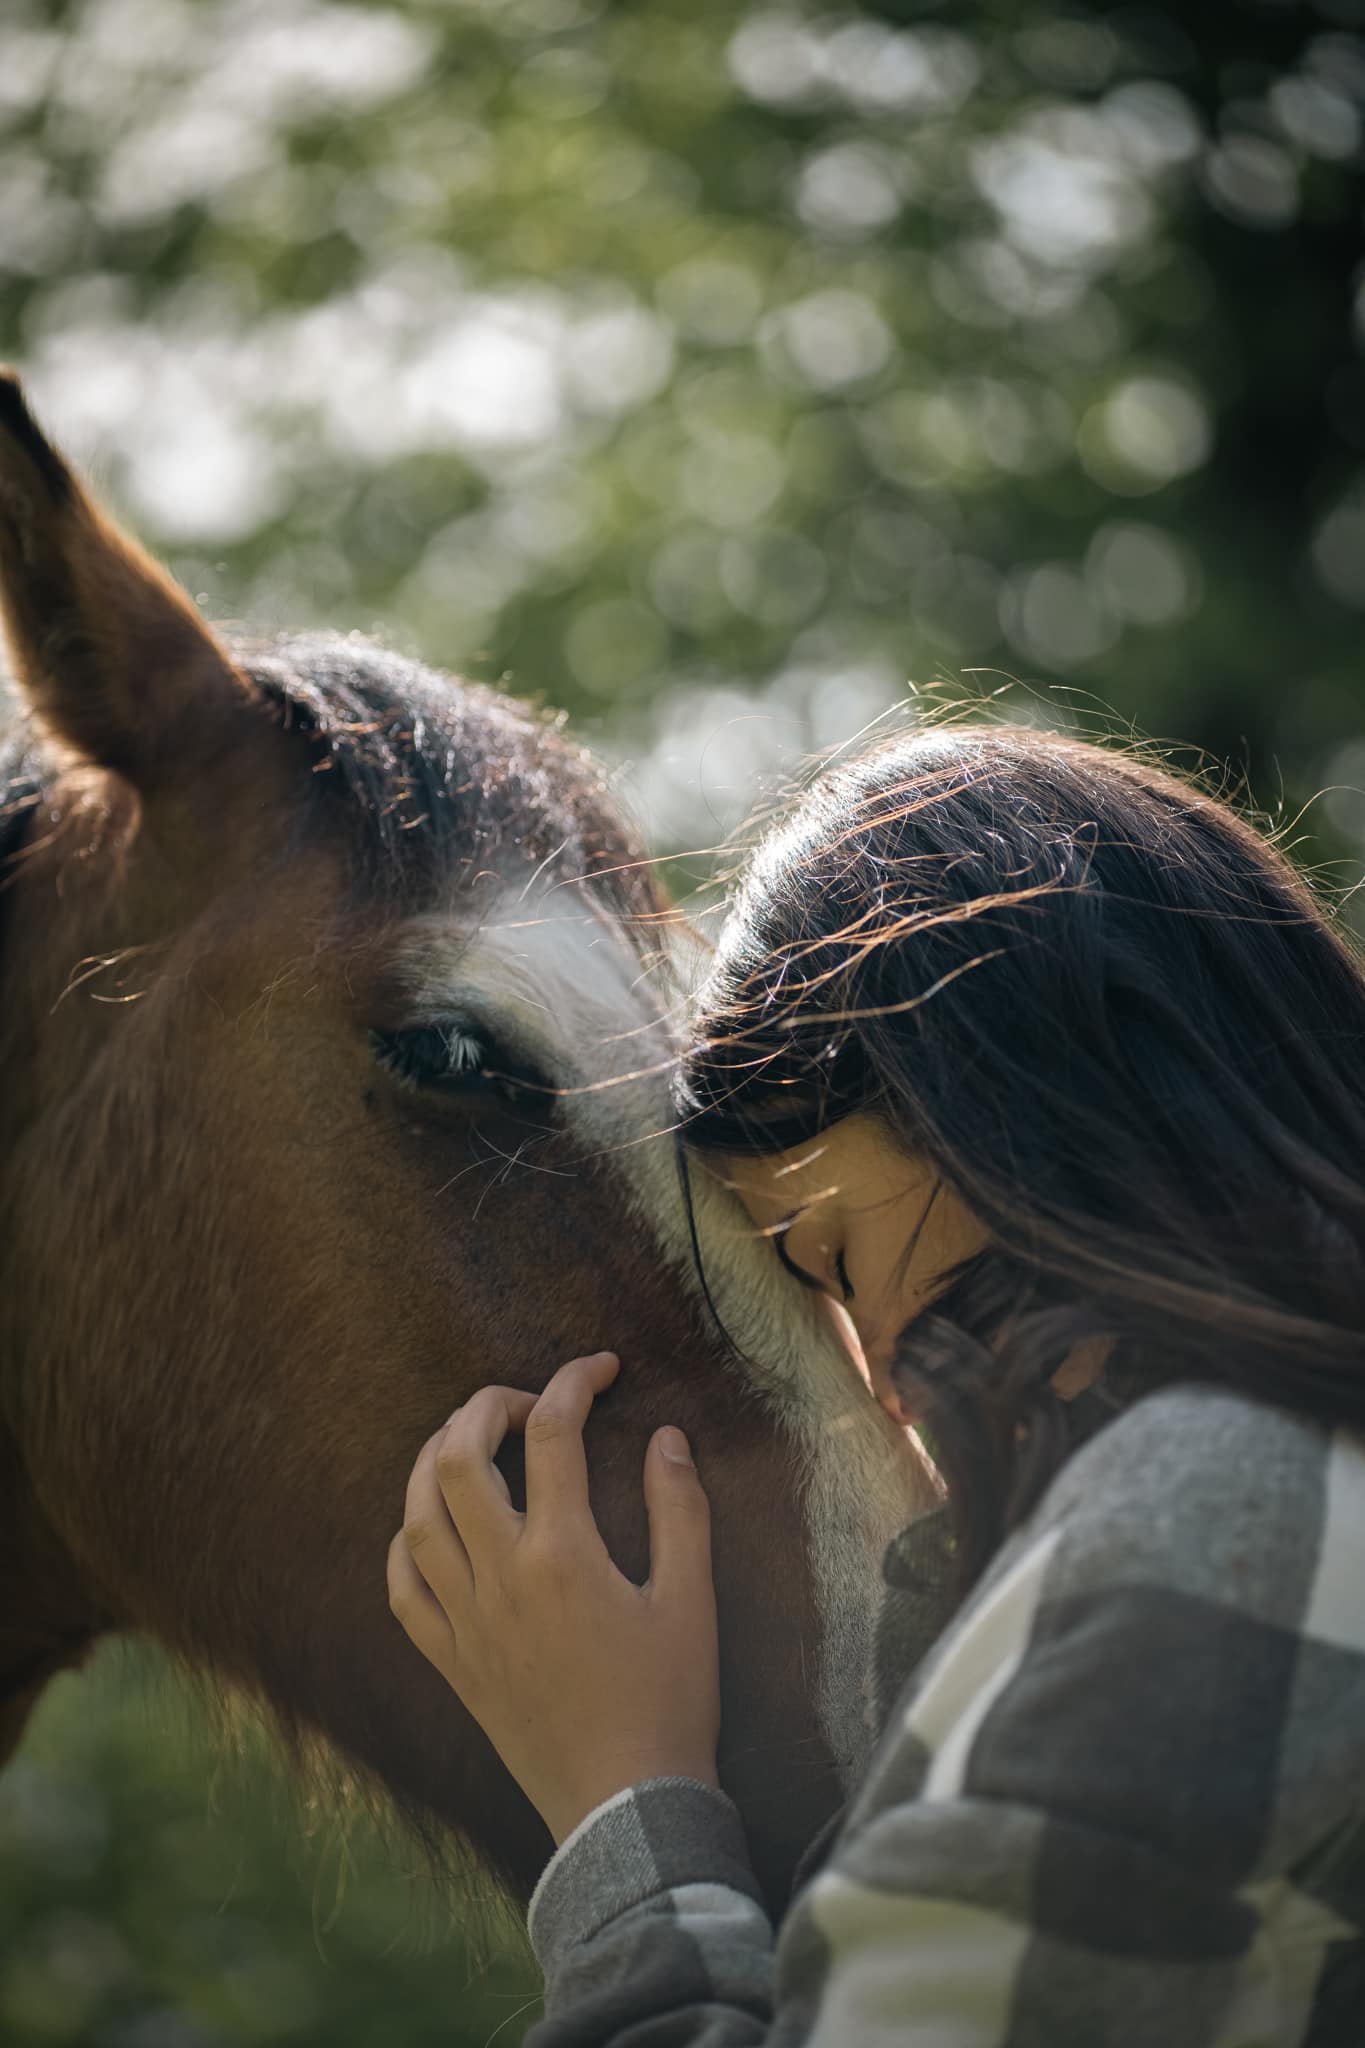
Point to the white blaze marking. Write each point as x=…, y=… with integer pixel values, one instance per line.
x=559, y=979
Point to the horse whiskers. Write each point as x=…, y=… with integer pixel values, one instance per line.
x=495, y=1181
x=514, y=1159
x=511, y=1159
x=456, y=1178
x=518, y=1158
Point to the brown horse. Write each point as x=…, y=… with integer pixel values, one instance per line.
x=333, y=1033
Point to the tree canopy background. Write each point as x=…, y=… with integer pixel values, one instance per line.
x=715, y=373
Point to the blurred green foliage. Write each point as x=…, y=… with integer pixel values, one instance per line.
x=157, y=1891
x=711, y=370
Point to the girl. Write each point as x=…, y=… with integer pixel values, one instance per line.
x=1050, y=1071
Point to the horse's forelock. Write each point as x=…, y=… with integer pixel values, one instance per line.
x=443, y=775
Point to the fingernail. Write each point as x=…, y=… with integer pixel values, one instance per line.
x=673, y=1446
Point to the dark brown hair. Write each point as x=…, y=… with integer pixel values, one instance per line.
x=1118, y=1022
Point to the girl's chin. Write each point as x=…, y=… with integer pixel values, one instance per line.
x=902, y=1416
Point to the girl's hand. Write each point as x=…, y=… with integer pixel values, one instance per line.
x=583, y=1682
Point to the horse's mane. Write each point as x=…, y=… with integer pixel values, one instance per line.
x=436, y=775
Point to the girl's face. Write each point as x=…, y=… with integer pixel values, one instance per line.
x=871, y=1226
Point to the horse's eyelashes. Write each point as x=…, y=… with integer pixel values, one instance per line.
x=453, y=1059
x=426, y=1054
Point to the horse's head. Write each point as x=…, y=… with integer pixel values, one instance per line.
x=333, y=1037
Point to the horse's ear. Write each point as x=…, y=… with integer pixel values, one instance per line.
x=113, y=657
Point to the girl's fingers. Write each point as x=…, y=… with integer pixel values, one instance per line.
x=679, y=1521
x=470, y=1484
x=416, y=1607
x=556, y=1467
x=432, y=1539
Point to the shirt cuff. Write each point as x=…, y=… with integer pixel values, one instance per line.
x=647, y=1840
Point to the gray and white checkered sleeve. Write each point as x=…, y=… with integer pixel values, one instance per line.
x=649, y=1926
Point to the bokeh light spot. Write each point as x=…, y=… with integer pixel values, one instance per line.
x=1150, y=430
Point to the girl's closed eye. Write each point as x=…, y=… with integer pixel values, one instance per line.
x=841, y=1287
x=781, y=1247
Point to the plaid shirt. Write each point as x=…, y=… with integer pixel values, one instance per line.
x=1120, y=1803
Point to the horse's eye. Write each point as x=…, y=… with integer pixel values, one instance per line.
x=452, y=1059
